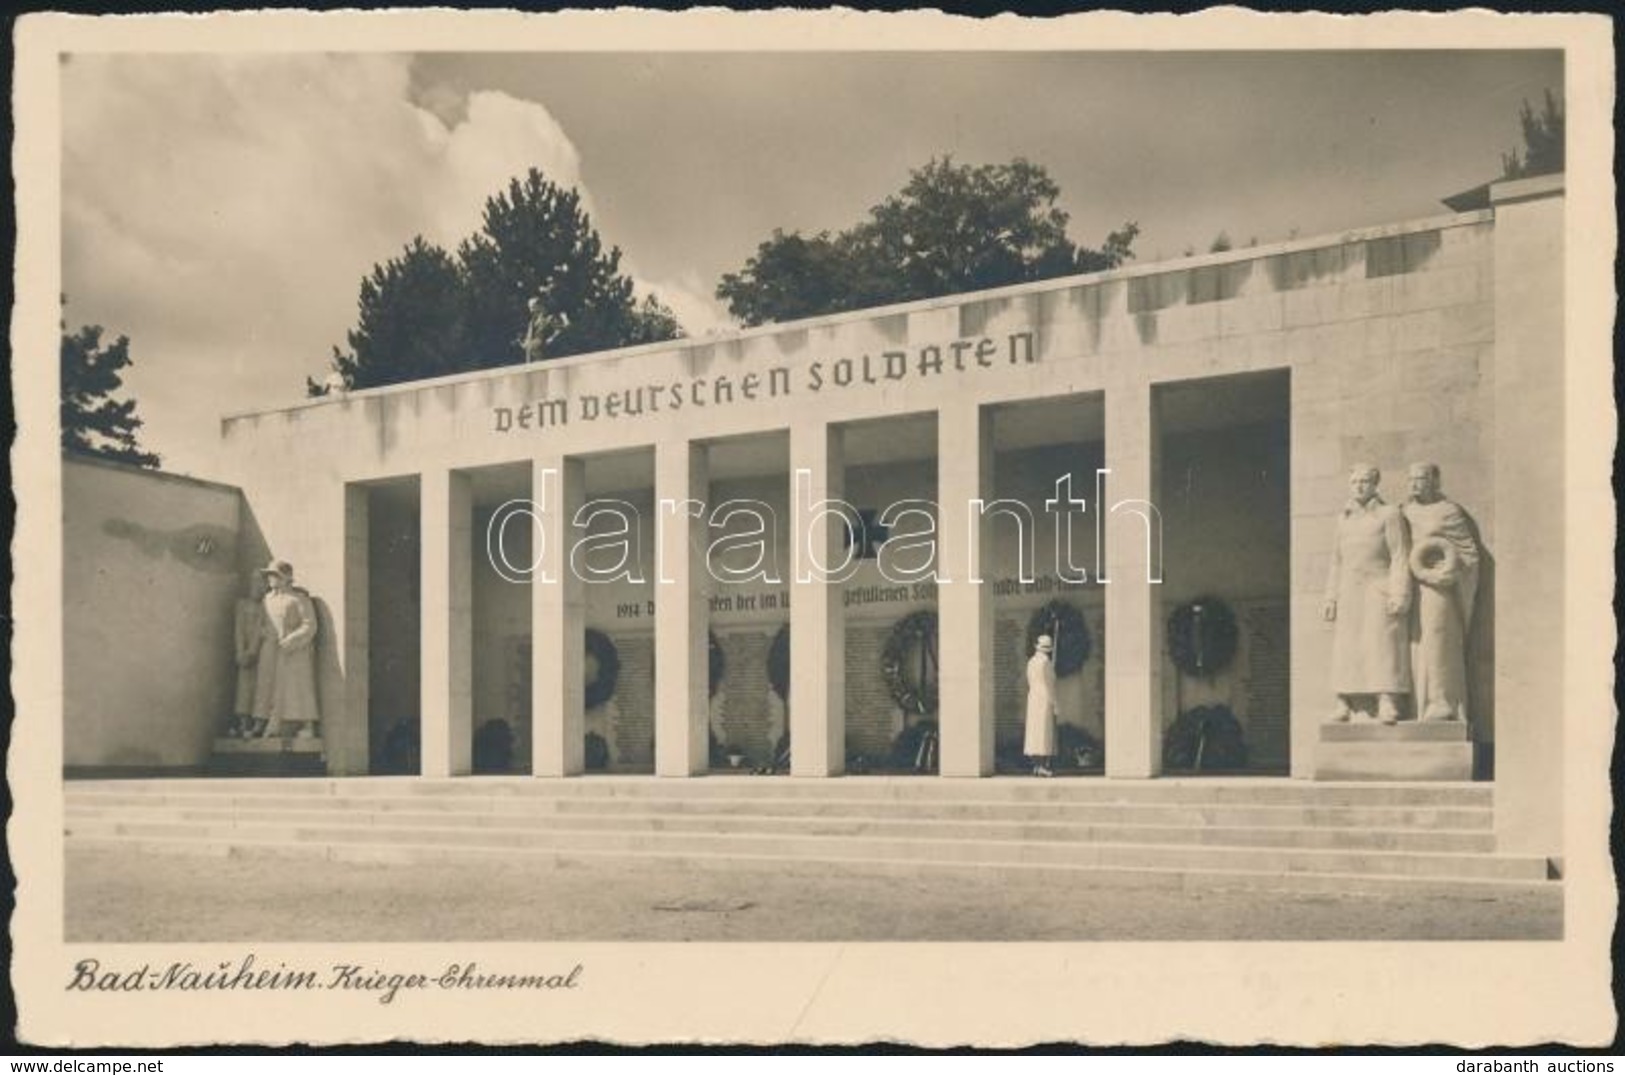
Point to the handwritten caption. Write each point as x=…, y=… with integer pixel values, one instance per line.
x=248, y=974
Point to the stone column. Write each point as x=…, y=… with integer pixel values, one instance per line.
x=817, y=621
x=682, y=613
x=964, y=606
x=558, y=622
x=1134, y=627
x=1319, y=488
x=447, y=623
x=346, y=732
x=1527, y=542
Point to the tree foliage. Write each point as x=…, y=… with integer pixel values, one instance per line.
x=428, y=313
x=952, y=228
x=94, y=422
x=413, y=317
x=1543, y=141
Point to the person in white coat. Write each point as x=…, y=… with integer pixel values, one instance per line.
x=1039, y=744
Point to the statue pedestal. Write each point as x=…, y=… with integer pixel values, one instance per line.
x=1409, y=750
x=275, y=756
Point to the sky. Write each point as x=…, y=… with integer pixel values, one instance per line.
x=221, y=209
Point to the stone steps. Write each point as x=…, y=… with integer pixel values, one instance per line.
x=1258, y=834
x=1332, y=884
x=106, y=820
x=1231, y=815
x=1212, y=791
x=1433, y=865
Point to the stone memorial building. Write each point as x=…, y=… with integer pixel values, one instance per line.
x=622, y=561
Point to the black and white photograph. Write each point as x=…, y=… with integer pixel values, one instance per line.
x=725, y=528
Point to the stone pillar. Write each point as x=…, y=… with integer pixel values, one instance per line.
x=346, y=732
x=1134, y=626
x=682, y=613
x=964, y=600
x=817, y=620
x=447, y=623
x=1319, y=488
x=1528, y=538
x=558, y=622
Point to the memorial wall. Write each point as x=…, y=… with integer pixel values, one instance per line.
x=1234, y=392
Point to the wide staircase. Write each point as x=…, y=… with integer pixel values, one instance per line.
x=1247, y=833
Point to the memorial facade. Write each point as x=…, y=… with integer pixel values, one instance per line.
x=625, y=561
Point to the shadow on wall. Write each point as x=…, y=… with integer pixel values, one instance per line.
x=1481, y=645
x=252, y=550
x=329, y=668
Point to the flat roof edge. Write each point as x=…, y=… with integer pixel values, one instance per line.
x=148, y=472
x=871, y=313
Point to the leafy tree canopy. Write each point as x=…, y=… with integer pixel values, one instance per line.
x=952, y=228
x=94, y=422
x=428, y=313
x=1543, y=135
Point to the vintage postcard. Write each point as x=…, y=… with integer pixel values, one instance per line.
x=813, y=527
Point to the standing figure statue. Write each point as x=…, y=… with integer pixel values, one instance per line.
x=1039, y=742
x=543, y=329
x=1445, y=559
x=1368, y=593
x=249, y=634
x=293, y=626
x=264, y=667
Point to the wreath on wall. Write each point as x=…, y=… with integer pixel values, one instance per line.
x=1062, y=621
x=908, y=663
x=603, y=668
x=1202, y=636
x=778, y=664
x=1203, y=738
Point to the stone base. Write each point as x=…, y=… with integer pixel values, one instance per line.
x=275, y=756
x=272, y=745
x=1409, y=750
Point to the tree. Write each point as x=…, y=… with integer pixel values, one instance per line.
x=537, y=241
x=94, y=423
x=412, y=320
x=952, y=228
x=1543, y=142
x=795, y=276
x=427, y=313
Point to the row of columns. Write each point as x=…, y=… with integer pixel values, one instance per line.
x=817, y=620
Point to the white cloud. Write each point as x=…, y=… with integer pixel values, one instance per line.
x=688, y=297
x=502, y=137
x=221, y=210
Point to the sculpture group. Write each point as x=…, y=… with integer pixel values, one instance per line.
x=1400, y=592
x=276, y=658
